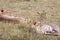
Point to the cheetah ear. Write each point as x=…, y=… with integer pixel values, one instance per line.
x=2, y=11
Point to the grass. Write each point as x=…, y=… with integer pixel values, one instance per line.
x=21, y=32
x=27, y=8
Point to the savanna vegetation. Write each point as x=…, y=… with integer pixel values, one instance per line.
x=45, y=11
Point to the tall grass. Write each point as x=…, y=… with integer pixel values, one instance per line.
x=21, y=32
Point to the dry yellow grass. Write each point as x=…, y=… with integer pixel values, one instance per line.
x=33, y=10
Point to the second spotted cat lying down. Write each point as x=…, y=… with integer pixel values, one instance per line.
x=47, y=29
